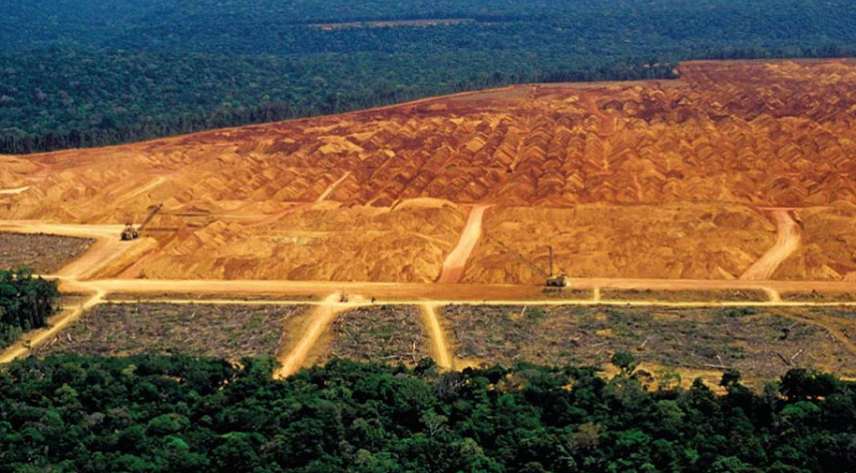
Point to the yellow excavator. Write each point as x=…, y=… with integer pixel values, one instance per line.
x=551, y=279
x=132, y=233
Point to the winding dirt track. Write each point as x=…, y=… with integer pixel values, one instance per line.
x=787, y=242
x=456, y=261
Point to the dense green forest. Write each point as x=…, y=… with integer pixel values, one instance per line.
x=26, y=302
x=161, y=414
x=79, y=73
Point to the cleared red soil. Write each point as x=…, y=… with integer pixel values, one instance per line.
x=383, y=195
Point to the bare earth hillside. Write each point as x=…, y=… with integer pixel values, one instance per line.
x=664, y=179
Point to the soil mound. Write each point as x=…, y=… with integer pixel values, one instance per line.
x=392, y=183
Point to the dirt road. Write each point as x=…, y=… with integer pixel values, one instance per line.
x=438, y=292
x=108, y=247
x=440, y=348
x=321, y=318
x=456, y=261
x=425, y=295
x=56, y=324
x=332, y=187
x=14, y=191
x=787, y=242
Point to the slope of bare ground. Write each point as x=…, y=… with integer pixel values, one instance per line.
x=828, y=246
x=407, y=243
x=761, y=343
x=45, y=254
x=230, y=331
x=689, y=241
x=729, y=135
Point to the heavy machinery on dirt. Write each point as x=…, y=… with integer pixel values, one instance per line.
x=551, y=279
x=132, y=233
x=555, y=279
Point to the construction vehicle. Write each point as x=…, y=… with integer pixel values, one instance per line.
x=131, y=233
x=556, y=279
x=551, y=279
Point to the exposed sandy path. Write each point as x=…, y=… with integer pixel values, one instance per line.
x=492, y=302
x=332, y=187
x=773, y=294
x=435, y=292
x=321, y=318
x=439, y=347
x=102, y=253
x=14, y=191
x=83, y=231
x=456, y=261
x=787, y=241
x=108, y=247
x=57, y=324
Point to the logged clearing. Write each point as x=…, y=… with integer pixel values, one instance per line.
x=762, y=344
x=382, y=334
x=223, y=331
x=45, y=254
x=741, y=169
x=816, y=296
x=687, y=296
x=565, y=293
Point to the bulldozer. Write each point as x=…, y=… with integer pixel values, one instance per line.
x=551, y=279
x=132, y=233
x=555, y=279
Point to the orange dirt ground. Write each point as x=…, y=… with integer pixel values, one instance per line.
x=659, y=179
